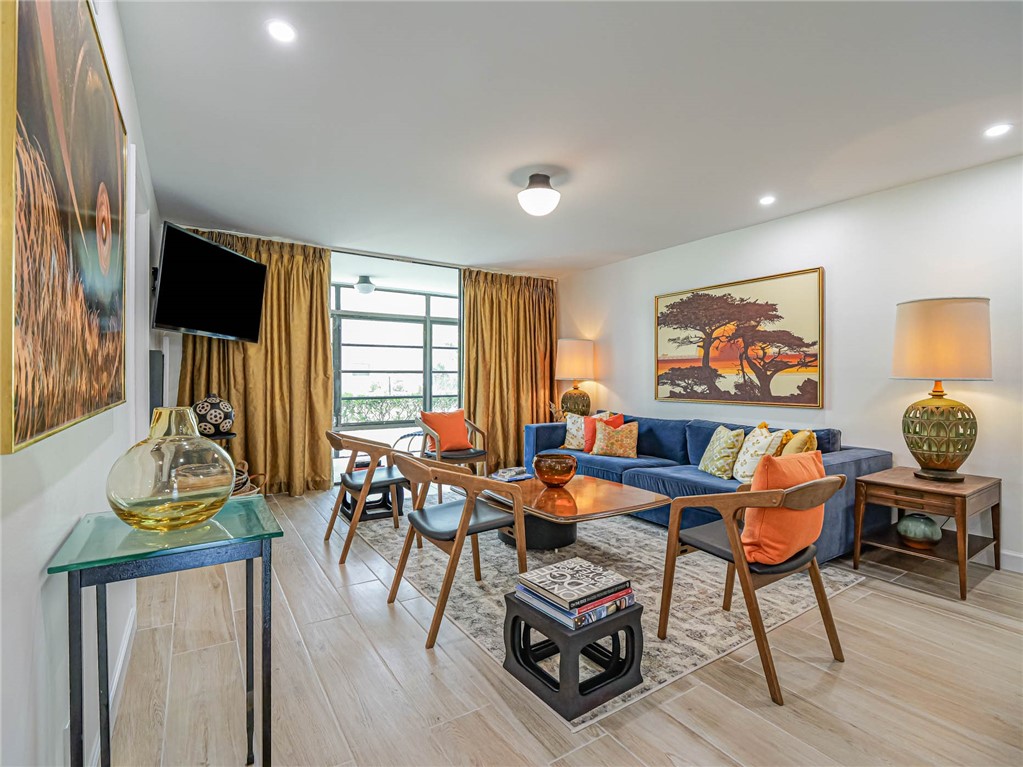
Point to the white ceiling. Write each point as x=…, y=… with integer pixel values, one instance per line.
x=407, y=128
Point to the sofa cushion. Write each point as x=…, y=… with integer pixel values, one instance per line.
x=699, y=432
x=675, y=481
x=662, y=437
x=609, y=467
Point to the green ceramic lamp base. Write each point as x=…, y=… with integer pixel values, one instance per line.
x=575, y=400
x=941, y=434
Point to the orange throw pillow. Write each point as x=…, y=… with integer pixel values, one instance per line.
x=590, y=429
x=450, y=427
x=772, y=536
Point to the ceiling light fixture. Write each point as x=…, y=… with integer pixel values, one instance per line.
x=998, y=130
x=768, y=199
x=539, y=198
x=365, y=285
x=281, y=31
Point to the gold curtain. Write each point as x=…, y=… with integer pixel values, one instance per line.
x=281, y=388
x=510, y=341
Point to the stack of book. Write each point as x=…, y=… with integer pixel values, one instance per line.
x=575, y=592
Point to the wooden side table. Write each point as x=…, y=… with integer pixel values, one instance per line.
x=900, y=489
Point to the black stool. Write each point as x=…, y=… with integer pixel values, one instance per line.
x=378, y=505
x=567, y=695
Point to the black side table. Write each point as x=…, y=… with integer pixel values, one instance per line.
x=102, y=549
x=567, y=695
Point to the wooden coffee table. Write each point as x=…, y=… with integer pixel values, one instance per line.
x=553, y=512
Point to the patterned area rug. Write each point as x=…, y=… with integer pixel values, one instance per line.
x=699, y=630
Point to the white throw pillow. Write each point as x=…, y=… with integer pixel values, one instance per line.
x=758, y=443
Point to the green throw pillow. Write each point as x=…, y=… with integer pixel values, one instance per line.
x=719, y=457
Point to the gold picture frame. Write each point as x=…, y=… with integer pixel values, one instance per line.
x=753, y=342
x=62, y=229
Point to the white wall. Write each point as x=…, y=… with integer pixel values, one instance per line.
x=958, y=234
x=46, y=488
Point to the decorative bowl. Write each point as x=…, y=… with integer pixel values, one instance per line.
x=918, y=531
x=554, y=469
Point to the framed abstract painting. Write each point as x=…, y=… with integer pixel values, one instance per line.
x=62, y=252
x=755, y=342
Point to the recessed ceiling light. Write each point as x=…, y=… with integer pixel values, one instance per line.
x=998, y=130
x=767, y=199
x=281, y=31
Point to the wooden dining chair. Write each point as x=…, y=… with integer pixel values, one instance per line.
x=447, y=525
x=359, y=483
x=470, y=457
x=723, y=539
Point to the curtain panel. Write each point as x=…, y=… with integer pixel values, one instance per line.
x=510, y=342
x=281, y=387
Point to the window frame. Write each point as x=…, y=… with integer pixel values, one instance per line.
x=337, y=315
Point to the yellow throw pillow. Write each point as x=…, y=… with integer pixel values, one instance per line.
x=719, y=457
x=620, y=442
x=804, y=441
x=758, y=443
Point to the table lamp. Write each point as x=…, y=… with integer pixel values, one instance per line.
x=574, y=363
x=941, y=339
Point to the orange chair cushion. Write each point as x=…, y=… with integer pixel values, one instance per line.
x=590, y=429
x=772, y=536
x=450, y=427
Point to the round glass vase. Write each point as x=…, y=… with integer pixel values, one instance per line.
x=175, y=478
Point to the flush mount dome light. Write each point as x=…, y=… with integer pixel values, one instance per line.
x=998, y=130
x=281, y=31
x=538, y=198
x=365, y=285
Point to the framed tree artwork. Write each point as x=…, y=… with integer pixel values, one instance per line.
x=62, y=249
x=755, y=342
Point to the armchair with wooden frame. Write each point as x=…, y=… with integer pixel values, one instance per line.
x=447, y=525
x=469, y=457
x=723, y=539
x=360, y=483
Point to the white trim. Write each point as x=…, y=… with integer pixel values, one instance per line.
x=1012, y=560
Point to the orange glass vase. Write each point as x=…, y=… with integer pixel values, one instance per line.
x=554, y=469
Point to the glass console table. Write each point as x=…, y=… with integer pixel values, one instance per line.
x=102, y=549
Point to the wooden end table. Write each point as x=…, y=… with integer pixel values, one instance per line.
x=902, y=490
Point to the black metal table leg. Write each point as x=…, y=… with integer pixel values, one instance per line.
x=74, y=611
x=266, y=652
x=250, y=705
x=103, y=673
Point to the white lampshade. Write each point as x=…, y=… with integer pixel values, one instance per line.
x=539, y=198
x=365, y=285
x=575, y=360
x=943, y=339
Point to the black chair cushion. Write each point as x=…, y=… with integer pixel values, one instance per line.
x=383, y=477
x=713, y=538
x=441, y=522
x=457, y=455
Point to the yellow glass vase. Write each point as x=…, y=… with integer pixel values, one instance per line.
x=176, y=478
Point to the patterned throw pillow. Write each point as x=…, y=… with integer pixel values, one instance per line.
x=758, y=443
x=719, y=457
x=802, y=442
x=575, y=429
x=590, y=427
x=574, y=432
x=620, y=442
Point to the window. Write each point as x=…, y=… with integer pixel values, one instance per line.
x=396, y=352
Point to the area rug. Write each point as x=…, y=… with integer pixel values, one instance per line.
x=699, y=630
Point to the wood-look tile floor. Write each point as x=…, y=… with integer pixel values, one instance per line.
x=927, y=679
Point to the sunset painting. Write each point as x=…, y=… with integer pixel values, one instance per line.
x=751, y=342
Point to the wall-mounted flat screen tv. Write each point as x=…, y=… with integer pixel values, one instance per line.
x=208, y=290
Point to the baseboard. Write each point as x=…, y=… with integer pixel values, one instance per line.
x=1012, y=560
x=117, y=681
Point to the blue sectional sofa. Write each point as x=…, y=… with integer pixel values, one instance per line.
x=669, y=453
